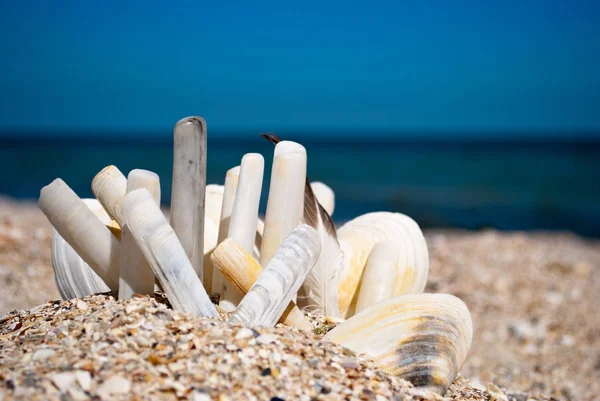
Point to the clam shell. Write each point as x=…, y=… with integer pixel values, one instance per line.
x=82, y=230
x=75, y=278
x=165, y=254
x=272, y=292
x=285, y=203
x=189, y=184
x=135, y=274
x=325, y=196
x=357, y=239
x=422, y=338
x=242, y=270
x=244, y=218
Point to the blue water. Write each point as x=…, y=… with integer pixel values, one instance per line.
x=504, y=185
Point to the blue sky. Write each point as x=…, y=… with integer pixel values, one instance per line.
x=424, y=66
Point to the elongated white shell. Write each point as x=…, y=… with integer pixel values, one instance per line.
x=272, y=292
x=422, y=338
x=75, y=278
x=189, y=184
x=109, y=187
x=380, y=275
x=231, y=182
x=81, y=229
x=242, y=270
x=358, y=237
x=244, y=218
x=212, y=214
x=167, y=257
x=285, y=203
x=325, y=196
x=135, y=275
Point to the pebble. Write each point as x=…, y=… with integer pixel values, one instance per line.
x=113, y=386
x=350, y=363
x=63, y=380
x=265, y=339
x=244, y=333
x=81, y=305
x=43, y=354
x=84, y=379
x=495, y=393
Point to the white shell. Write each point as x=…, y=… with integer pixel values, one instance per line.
x=231, y=182
x=285, y=203
x=189, y=184
x=272, y=292
x=325, y=196
x=81, y=229
x=242, y=270
x=380, y=275
x=358, y=237
x=110, y=186
x=135, y=274
x=167, y=257
x=244, y=218
x=422, y=338
x=75, y=278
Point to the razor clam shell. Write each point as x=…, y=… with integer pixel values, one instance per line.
x=422, y=338
x=212, y=214
x=74, y=278
x=166, y=255
x=285, y=203
x=110, y=186
x=242, y=270
x=272, y=292
x=358, y=237
x=231, y=182
x=82, y=229
x=189, y=184
x=135, y=274
x=325, y=196
x=244, y=218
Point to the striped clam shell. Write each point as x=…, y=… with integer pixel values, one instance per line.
x=422, y=338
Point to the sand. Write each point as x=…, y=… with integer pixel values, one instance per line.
x=533, y=299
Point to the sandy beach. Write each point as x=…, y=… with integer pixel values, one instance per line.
x=532, y=296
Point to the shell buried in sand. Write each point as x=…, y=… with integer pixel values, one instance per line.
x=372, y=271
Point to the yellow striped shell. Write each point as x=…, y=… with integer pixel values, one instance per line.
x=422, y=338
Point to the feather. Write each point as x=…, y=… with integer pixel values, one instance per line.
x=318, y=293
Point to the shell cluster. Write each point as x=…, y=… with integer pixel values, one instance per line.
x=369, y=274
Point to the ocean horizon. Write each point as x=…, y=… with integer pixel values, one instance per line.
x=515, y=182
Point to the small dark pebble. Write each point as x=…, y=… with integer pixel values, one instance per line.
x=277, y=399
x=266, y=372
x=10, y=384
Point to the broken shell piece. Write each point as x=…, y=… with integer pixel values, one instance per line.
x=358, y=237
x=242, y=270
x=285, y=203
x=81, y=229
x=167, y=257
x=244, y=218
x=325, y=196
x=189, y=184
x=422, y=338
x=272, y=292
x=109, y=186
x=75, y=278
x=135, y=274
x=231, y=182
x=380, y=275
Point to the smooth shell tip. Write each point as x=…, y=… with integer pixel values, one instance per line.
x=285, y=147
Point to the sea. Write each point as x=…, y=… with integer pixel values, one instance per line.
x=469, y=184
